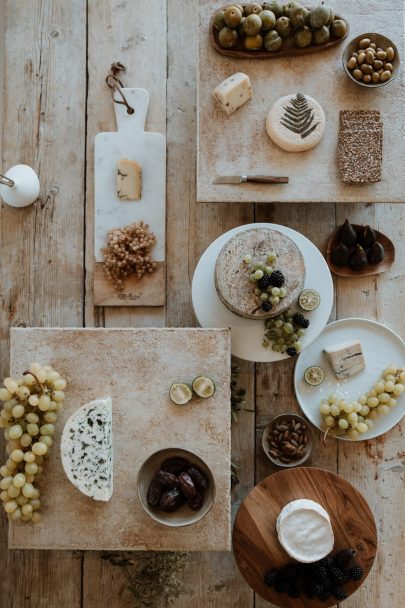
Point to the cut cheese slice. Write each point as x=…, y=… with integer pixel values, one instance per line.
x=87, y=449
x=129, y=180
x=304, y=530
x=346, y=359
x=233, y=92
x=296, y=123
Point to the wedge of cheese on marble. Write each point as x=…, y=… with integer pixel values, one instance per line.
x=129, y=180
x=304, y=530
x=346, y=359
x=233, y=92
x=87, y=449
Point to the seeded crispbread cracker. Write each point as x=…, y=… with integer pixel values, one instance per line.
x=360, y=146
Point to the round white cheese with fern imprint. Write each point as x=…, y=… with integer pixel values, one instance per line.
x=87, y=449
x=296, y=123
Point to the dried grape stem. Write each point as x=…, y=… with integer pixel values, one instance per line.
x=43, y=387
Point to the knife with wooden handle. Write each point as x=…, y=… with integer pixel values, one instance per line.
x=242, y=179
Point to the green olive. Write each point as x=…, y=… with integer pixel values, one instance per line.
x=364, y=43
x=227, y=38
x=351, y=64
x=366, y=68
x=388, y=66
x=358, y=74
x=232, y=16
x=268, y=20
x=375, y=77
x=378, y=64
x=252, y=25
x=367, y=78
x=361, y=58
x=303, y=37
x=369, y=57
x=338, y=28
x=253, y=9
x=272, y=41
x=284, y=27
x=322, y=35
x=219, y=20
x=386, y=75
x=253, y=43
x=381, y=55
x=390, y=53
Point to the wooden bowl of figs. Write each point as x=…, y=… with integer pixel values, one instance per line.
x=176, y=487
x=354, y=250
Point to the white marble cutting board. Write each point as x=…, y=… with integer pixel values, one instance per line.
x=130, y=141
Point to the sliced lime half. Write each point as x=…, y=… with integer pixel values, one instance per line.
x=180, y=393
x=309, y=299
x=203, y=387
x=314, y=375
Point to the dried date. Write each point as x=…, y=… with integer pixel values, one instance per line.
x=171, y=500
x=175, y=465
x=186, y=485
x=198, y=477
x=197, y=502
x=168, y=480
x=155, y=492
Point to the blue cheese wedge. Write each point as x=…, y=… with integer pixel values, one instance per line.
x=233, y=92
x=129, y=180
x=87, y=449
x=346, y=359
x=305, y=531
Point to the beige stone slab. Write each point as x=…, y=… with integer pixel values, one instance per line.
x=136, y=368
x=239, y=144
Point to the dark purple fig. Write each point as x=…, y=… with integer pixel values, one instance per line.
x=340, y=255
x=175, y=465
x=197, y=502
x=155, y=492
x=168, y=480
x=186, y=485
x=198, y=477
x=171, y=500
x=376, y=253
x=367, y=237
x=344, y=559
x=358, y=259
x=347, y=234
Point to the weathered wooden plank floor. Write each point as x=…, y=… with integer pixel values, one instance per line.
x=55, y=100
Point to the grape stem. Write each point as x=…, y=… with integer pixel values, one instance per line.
x=335, y=426
x=43, y=387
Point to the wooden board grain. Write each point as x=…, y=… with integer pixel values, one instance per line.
x=136, y=367
x=255, y=542
x=239, y=144
x=148, y=291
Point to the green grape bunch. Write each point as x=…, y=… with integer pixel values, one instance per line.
x=31, y=405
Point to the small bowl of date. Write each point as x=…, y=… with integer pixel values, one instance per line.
x=288, y=440
x=371, y=60
x=176, y=487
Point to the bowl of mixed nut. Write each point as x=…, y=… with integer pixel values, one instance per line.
x=371, y=60
x=288, y=440
x=176, y=487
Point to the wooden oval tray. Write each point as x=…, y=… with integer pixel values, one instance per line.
x=255, y=542
x=288, y=50
x=346, y=271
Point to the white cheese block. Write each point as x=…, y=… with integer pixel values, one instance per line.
x=346, y=359
x=87, y=449
x=233, y=92
x=304, y=531
x=129, y=180
x=296, y=123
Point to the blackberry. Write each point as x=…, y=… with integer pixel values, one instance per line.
x=289, y=572
x=313, y=589
x=326, y=562
x=339, y=576
x=271, y=578
x=266, y=307
x=320, y=573
x=291, y=351
x=293, y=590
x=356, y=573
x=339, y=594
x=264, y=282
x=277, y=278
x=281, y=586
x=324, y=595
x=300, y=320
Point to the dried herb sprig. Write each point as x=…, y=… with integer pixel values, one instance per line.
x=238, y=395
x=151, y=575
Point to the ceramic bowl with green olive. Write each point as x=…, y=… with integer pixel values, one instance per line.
x=371, y=60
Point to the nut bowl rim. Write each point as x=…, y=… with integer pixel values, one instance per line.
x=184, y=516
x=348, y=49
x=310, y=444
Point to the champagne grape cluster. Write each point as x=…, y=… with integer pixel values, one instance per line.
x=30, y=411
x=353, y=418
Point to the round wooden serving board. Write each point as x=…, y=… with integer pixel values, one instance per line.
x=255, y=542
x=288, y=49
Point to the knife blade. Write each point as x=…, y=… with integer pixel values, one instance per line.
x=242, y=179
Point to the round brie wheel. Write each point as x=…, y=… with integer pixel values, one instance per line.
x=304, y=531
x=296, y=123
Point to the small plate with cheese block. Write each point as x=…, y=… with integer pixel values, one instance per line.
x=247, y=334
x=361, y=396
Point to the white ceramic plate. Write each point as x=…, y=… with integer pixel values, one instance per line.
x=247, y=334
x=381, y=347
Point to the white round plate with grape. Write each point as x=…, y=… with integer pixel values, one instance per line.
x=382, y=349
x=247, y=334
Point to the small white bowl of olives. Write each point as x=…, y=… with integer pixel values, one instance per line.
x=371, y=60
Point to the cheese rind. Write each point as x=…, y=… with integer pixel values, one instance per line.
x=346, y=359
x=305, y=531
x=87, y=449
x=233, y=92
x=129, y=180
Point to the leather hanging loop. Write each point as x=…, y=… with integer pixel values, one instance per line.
x=115, y=84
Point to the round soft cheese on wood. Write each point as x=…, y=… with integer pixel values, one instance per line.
x=296, y=123
x=304, y=530
x=232, y=281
